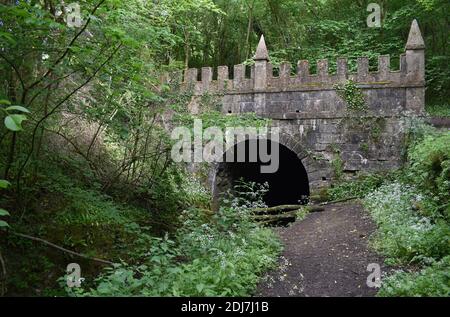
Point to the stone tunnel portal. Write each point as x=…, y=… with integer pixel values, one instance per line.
x=287, y=185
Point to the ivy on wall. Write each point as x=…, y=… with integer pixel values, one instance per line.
x=353, y=96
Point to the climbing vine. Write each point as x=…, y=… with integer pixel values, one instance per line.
x=337, y=163
x=358, y=119
x=353, y=96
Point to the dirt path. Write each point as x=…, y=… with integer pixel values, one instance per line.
x=326, y=254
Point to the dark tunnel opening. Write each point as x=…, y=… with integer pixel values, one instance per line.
x=287, y=185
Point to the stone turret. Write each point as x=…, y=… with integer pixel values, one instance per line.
x=415, y=69
x=261, y=75
x=410, y=78
x=310, y=113
x=261, y=59
x=415, y=54
x=415, y=40
x=261, y=51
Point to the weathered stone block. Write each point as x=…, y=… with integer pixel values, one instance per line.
x=310, y=112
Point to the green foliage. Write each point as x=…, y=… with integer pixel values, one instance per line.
x=338, y=166
x=4, y=184
x=412, y=214
x=219, y=254
x=437, y=72
x=377, y=127
x=358, y=187
x=438, y=110
x=85, y=207
x=353, y=96
x=193, y=193
x=432, y=281
x=13, y=122
x=364, y=148
x=404, y=235
x=429, y=170
x=417, y=130
x=3, y=213
x=301, y=214
x=94, y=159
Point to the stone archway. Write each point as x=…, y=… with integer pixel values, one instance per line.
x=289, y=184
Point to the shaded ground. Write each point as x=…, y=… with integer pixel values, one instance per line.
x=326, y=254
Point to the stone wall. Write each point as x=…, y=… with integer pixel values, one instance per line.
x=313, y=119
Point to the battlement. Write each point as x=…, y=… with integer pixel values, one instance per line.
x=260, y=76
x=313, y=118
x=201, y=81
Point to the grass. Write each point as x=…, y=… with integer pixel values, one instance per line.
x=438, y=110
x=412, y=215
x=431, y=281
x=220, y=254
x=411, y=209
x=359, y=187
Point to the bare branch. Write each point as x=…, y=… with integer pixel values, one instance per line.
x=61, y=248
x=15, y=70
x=55, y=108
x=51, y=68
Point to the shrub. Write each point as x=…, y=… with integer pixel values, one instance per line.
x=412, y=214
x=213, y=254
x=364, y=184
x=404, y=235
x=431, y=281
x=417, y=130
x=438, y=110
x=430, y=169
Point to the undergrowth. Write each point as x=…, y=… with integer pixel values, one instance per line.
x=212, y=254
x=438, y=110
x=413, y=218
x=411, y=208
x=358, y=187
x=434, y=281
x=73, y=212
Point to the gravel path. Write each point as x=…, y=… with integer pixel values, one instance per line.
x=326, y=254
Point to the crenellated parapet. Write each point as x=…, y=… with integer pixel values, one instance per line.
x=316, y=119
x=260, y=77
x=201, y=81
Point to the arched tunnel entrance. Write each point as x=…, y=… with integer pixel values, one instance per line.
x=287, y=185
